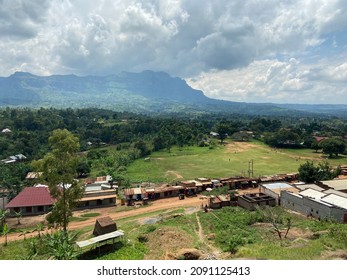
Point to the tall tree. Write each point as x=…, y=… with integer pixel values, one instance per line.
x=59, y=171
x=333, y=146
x=310, y=173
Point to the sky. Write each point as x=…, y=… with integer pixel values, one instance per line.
x=288, y=51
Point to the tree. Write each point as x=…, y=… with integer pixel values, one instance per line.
x=60, y=245
x=222, y=130
x=310, y=173
x=39, y=228
x=315, y=145
x=276, y=217
x=3, y=214
x=83, y=168
x=5, y=231
x=18, y=216
x=307, y=172
x=333, y=146
x=59, y=170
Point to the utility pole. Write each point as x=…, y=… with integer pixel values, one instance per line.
x=250, y=169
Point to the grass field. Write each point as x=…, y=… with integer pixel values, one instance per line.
x=177, y=230
x=231, y=159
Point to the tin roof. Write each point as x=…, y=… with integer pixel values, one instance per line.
x=313, y=194
x=336, y=200
x=133, y=191
x=32, y=196
x=339, y=184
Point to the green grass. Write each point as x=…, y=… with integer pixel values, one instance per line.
x=194, y=162
x=90, y=215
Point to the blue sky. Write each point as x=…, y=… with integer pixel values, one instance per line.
x=251, y=51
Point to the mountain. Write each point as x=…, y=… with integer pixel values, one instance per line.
x=145, y=92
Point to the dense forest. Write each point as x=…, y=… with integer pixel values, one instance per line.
x=131, y=136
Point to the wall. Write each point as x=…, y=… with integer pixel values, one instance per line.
x=311, y=207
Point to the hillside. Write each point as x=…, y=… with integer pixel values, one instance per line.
x=145, y=92
x=148, y=92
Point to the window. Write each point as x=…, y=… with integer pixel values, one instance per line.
x=39, y=208
x=28, y=209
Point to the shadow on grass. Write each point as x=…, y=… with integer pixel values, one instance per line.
x=100, y=251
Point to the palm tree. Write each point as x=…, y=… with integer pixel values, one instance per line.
x=5, y=232
x=24, y=233
x=39, y=228
x=19, y=216
x=3, y=214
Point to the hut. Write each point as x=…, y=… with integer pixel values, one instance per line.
x=104, y=225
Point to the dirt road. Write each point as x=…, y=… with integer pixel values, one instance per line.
x=157, y=205
x=114, y=212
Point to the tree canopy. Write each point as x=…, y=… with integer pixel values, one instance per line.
x=59, y=171
x=309, y=173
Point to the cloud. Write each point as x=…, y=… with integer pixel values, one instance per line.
x=21, y=19
x=186, y=38
x=289, y=81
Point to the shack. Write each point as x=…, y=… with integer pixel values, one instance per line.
x=252, y=200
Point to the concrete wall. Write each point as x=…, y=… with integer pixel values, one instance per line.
x=295, y=203
x=251, y=205
x=310, y=207
x=270, y=193
x=31, y=211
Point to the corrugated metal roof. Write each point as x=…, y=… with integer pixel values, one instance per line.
x=309, y=186
x=336, y=184
x=336, y=200
x=31, y=196
x=311, y=193
x=279, y=185
x=100, y=238
x=133, y=191
x=97, y=197
x=329, y=191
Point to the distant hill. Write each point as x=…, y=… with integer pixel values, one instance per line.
x=146, y=92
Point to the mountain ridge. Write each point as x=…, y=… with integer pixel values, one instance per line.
x=147, y=91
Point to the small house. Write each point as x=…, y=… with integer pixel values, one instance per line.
x=31, y=201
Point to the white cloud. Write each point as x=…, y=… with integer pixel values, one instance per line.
x=252, y=40
x=289, y=81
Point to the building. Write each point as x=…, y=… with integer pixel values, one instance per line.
x=317, y=204
x=274, y=189
x=6, y=130
x=219, y=201
x=31, y=201
x=336, y=184
x=135, y=194
x=164, y=191
x=15, y=158
x=98, y=198
x=252, y=200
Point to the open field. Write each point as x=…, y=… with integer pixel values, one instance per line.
x=231, y=159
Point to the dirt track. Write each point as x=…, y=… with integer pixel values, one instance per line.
x=162, y=204
x=157, y=205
